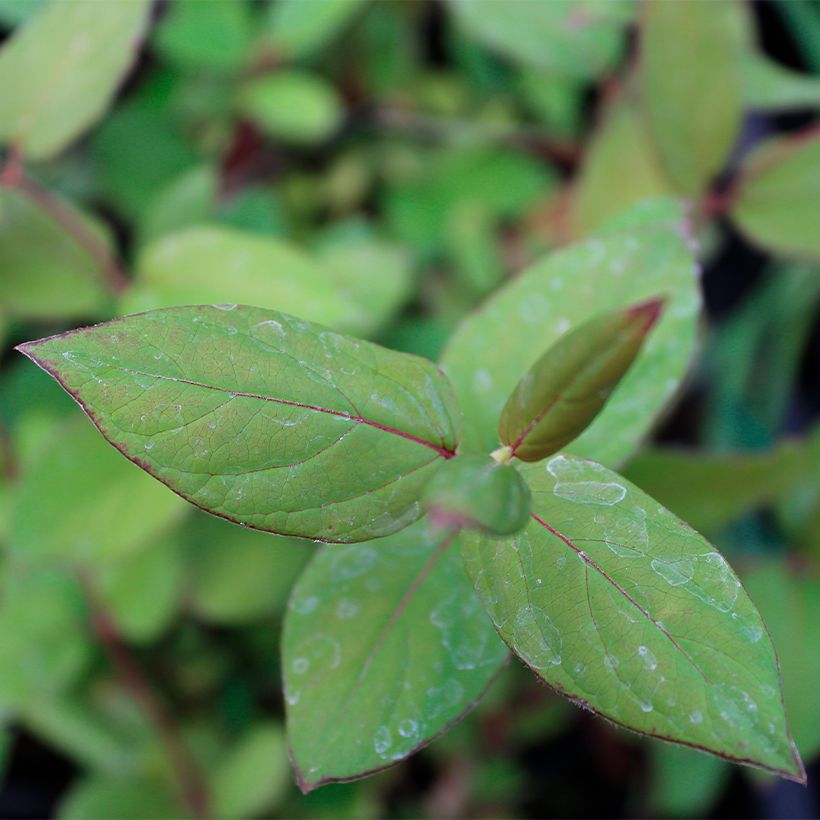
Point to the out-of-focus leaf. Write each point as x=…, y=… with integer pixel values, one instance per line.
x=580, y=38
x=81, y=502
x=473, y=247
x=684, y=783
x=106, y=798
x=292, y=105
x=384, y=646
x=298, y=29
x=479, y=493
x=620, y=168
x=219, y=264
x=790, y=605
x=236, y=575
x=769, y=86
x=711, y=490
x=188, y=199
x=59, y=72
x=14, y=12
x=141, y=592
x=777, y=201
x=213, y=36
x=619, y=605
x=570, y=383
x=262, y=418
x=803, y=21
x=485, y=360
x=44, y=642
x=556, y=100
x=253, y=774
x=254, y=209
x=692, y=82
x=46, y=272
x=5, y=749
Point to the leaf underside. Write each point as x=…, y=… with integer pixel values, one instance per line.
x=384, y=646
x=261, y=418
x=616, y=603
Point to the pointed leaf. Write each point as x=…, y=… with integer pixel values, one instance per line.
x=480, y=493
x=694, y=104
x=770, y=86
x=777, y=203
x=616, y=603
x=485, y=359
x=570, y=384
x=384, y=646
x=262, y=418
x=59, y=72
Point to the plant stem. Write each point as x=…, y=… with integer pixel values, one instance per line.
x=190, y=781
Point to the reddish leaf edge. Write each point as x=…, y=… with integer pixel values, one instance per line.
x=26, y=348
x=799, y=776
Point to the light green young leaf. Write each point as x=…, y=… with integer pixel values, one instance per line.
x=691, y=75
x=485, y=359
x=579, y=38
x=777, y=201
x=47, y=274
x=298, y=29
x=769, y=86
x=217, y=264
x=384, y=646
x=616, y=603
x=262, y=418
x=478, y=492
x=81, y=503
x=59, y=72
x=213, y=36
x=572, y=380
x=790, y=603
x=292, y=105
x=252, y=775
x=120, y=798
x=236, y=575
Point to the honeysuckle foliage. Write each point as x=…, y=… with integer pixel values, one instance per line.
x=285, y=426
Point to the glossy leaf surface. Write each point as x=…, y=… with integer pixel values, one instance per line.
x=478, y=493
x=261, y=418
x=485, y=359
x=385, y=644
x=619, y=605
x=59, y=72
x=569, y=385
x=694, y=106
x=777, y=203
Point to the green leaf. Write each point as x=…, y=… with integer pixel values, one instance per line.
x=616, y=603
x=620, y=168
x=579, y=38
x=261, y=418
x=691, y=76
x=298, y=29
x=769, y=86
x=81, y=503
x=777, y=201
x=212, y=36
x=109, y=798
x=711, y=490
x=478, y=492
x=217, y=264
x=790, y=603
x=684, y=783
x=294, y=106
x=572, y=381
x=252, y=775
x=485, y=359
x=46, y=272
x=236, y=575
x=384, y=646
x=59, y=72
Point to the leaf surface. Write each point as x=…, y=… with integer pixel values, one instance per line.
x=261, y=418
x=485, y=359
x=619, y=605
x=385, y=645
x=59, y=72
x=298, y=29
x=770, y=86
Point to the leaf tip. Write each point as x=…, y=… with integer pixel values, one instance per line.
x=648, y=312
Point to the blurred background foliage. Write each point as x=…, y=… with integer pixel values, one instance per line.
x=381, y=167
